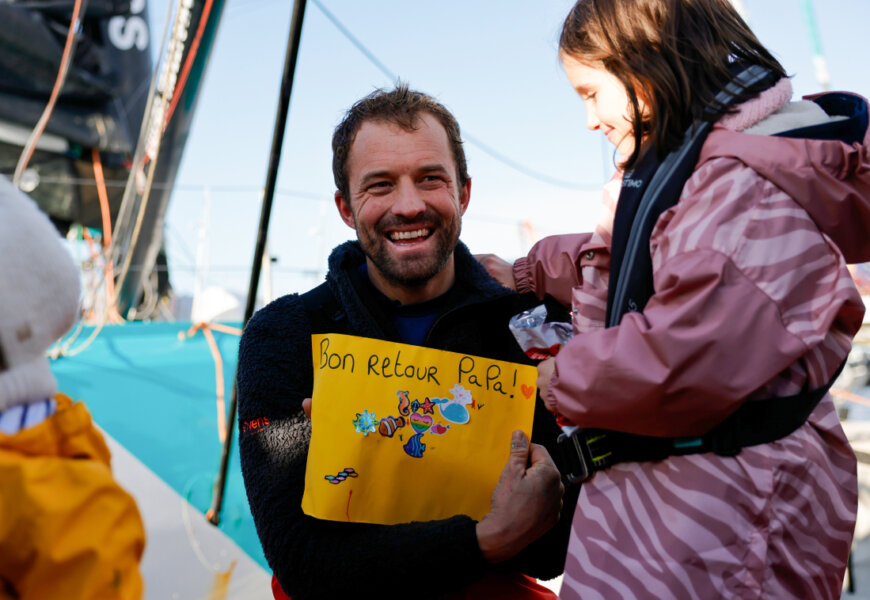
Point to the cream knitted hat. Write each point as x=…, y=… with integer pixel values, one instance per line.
x=39, y=297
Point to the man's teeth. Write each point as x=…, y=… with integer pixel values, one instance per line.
x=409, y=235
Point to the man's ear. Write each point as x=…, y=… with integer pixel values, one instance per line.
x=464, y=197
x=344, y=210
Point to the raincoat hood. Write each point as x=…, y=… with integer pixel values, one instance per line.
x=825, y=167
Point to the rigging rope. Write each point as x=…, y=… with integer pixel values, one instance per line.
x=131, y=200
x=188, y=63
x=157, y=118
x=106, y=215
x=63, y=347
x=206, y=329
x=191, y=534
x=850, y=396
x=63, y=69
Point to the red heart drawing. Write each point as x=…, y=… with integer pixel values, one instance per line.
x=527, y=390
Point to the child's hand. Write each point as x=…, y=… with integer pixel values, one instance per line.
x=306, y=407
x=499, y=269
x=546, y=368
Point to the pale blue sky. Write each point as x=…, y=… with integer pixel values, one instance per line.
x=493, y=64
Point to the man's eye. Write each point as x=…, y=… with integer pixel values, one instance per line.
x=379, y=186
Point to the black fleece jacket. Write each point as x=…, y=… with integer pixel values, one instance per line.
x=313, y=558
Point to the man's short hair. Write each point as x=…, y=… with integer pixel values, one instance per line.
x=400, y=106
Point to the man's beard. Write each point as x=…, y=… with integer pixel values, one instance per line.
x=411, y=272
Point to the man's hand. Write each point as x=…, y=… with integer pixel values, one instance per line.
x=499, y=269
x=526, y=502
x=306, y=407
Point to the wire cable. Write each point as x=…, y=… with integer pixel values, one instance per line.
x=130, y=197
x=106, y=280
x=353, y=40
x=473, y=140
x=188, y=526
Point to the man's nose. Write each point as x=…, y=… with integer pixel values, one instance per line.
x=408, y=202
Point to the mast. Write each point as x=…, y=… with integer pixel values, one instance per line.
x=214, y=513
x=139, y=227
x=819, y=61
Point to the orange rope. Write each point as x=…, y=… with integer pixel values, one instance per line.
x=843, y=394
x=206, y=329
x=188, y=63
x=55, y=92
x=92, y=244
x=185, y=71
x=225, y=328
x=109, y=272
x=104, y=197
x=219, y=381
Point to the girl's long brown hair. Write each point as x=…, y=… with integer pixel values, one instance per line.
x=675, y=55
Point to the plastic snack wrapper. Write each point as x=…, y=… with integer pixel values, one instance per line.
x=540, y=340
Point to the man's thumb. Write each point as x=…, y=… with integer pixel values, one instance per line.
x=519, y=449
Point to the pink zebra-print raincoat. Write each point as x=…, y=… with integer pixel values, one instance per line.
x=752, y=299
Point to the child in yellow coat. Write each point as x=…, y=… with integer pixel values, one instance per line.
x=67, y=529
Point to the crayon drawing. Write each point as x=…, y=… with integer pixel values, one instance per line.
x=379, y=405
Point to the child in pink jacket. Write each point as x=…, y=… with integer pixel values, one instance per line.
x=711, y=308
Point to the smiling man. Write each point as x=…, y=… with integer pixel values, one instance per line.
x=406, y=203
x=403, y=186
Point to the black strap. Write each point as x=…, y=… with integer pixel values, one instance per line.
x=647, y=192
x=755, y=422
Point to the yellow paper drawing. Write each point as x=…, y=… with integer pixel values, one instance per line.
x=405, y=433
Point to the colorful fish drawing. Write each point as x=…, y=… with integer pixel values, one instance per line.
x=439, y=429
x=389, y=426
x=415, y=447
